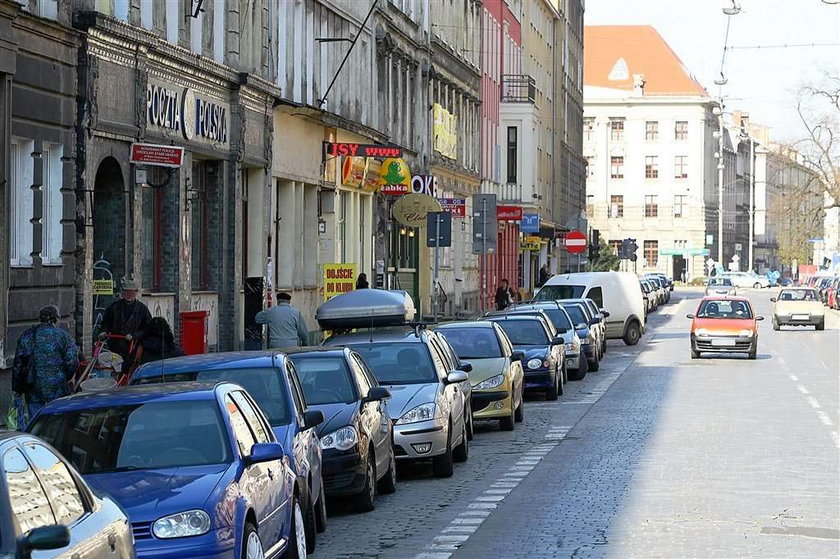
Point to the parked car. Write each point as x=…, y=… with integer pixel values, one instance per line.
x=589, y=342
x=720, y=286
x=270, y=378
x=798, y=306
x=48, y=509
x=544, y=359
x=832, y=299
x=496, y=376
x=357, y=436
x=661, y=288
x=427, y=405
x=746, y=279
x=647, y=296
x=724, y=325
x=597, y=323
x=454, y=363
x=196, y=467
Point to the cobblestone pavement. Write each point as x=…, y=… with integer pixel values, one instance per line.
x=655, y=455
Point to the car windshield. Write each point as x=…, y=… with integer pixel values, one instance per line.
x=152, y=435
x=399, y=363
x=558, y=318
x=473, y=343
x=524, y=332
x=798, y=295
x=325, y=379
x=264, y=384
x=576, y=314
x=724, y=309
x=554, y=292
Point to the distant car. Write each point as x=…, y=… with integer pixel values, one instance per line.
x=798, y=306
x=496, y=376
x=724, y=325
x=720, y=286
x=427, y=404
x=48, y=509
x=597, y=323
x=270, y=379
x=357, y=437
x=196, y=467
x=784, y=282
x=746, y=279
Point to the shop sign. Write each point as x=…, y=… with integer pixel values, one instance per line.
x=344, y=149
x=684, y=252
x=445, y=131
x=394, y=171
x=361, y=173
x=530, y=243
x=394, y=189
x=158, y=155
x=456, y=206
x=411, y=210
x=338, y=279
x=103, y=287
x=181, y=110
x=530, y=223
x=424, y=184
x=509, y=213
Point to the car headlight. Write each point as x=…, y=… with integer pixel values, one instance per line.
x=492, y=382
x=573, y=346
x=423, y=412
x=534, y=363
x=702, y=332
x=747, y=333
x=182, y=525
x=341, y=439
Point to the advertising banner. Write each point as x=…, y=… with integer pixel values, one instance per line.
x=444, y=129
x=455, y=206
x=338, y=278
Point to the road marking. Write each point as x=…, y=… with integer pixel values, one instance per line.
x=802, y=389
x=814, y=403
x=793, y=377
x=836, y=437
x=825, y=418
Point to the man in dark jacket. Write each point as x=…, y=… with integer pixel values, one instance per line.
x=504, y=296
x=126, y=317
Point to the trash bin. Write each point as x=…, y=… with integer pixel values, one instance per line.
x=194, y=326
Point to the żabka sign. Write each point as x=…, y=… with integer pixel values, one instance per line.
x=334, y=149
x=180, y=110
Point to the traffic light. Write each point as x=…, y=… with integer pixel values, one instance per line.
x=632, y=247
x=594, y=245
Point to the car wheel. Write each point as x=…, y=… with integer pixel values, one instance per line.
x=775, y=324
x=821, y=325
x=756, y=285
x=552, y=393
x=462, y=451
x=509, y=423
x=363, y=501
x=604, y=346
x=519, y=415
x=310, y=524
x=321, y=511
x=442, y=465
x=470, y=431
x=388, y=483
x=695, y=354
x=297, y=536
x=633, y=334
x=582, y=369
x=595, y=364
x=251, y=543
x=753, y=354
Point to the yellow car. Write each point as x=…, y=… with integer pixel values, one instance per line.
x=798, y=306
x=496, y=377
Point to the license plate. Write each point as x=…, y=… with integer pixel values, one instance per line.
x=723, y=342
x=800, y=317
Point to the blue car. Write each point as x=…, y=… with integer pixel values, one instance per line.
x=47, y=509
x=271, y=379
x=196, y=467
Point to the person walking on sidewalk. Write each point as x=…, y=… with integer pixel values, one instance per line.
x=504, y=296
x=286, y=327
x=45, y=359
x=126, y=317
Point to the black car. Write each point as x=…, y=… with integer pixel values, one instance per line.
x=581, y=315
x=357, y=436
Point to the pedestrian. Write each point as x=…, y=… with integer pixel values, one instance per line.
x=126, y=317
x=45, y=359
x=362, y=282
x=544, y=274
x=286, y=327
x=504, y=295
x=158, y=342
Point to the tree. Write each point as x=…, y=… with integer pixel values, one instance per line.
x=818, y=106
x=607, y=258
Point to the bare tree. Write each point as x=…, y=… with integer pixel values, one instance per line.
x=818, y=106
x=795, y=210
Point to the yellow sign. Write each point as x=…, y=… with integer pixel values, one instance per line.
x=411, y=210
x=361, y=172
x=103, y=287
x=531, y=242
x=445, y=131
x=338, y=279
x=395, y=171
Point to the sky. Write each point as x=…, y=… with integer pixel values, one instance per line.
x=763, y=82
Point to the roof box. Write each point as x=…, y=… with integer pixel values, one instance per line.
x=366, y=308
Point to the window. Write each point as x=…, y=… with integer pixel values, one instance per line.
x=588, y=129
x=251, y=415
x=651, y=206
x=681, y=130
x=58, y=482
x=297, y=392
x=596, y=295
x=325, y=380
x=617, y=205
x=511, y=154
x=680, y=166
x=204, y=216
x=617, y=167
x=244, y=437
x=680, y=205
x=22, y=202
x=651, y=167
x=651, y=130
x=361, y=377
x=615, y=245
x=590, y=166
x=652, y=253
x=26, y=496
x=53, y=200
x=617, y=130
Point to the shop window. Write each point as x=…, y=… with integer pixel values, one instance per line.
x=53, y=201
x=651, y=249
x=651, y=206
x=22, y=201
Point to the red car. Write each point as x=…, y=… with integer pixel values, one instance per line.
x=724, y=324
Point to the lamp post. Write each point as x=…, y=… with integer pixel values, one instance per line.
x=720, y=166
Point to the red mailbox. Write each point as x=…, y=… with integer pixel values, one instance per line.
x=194, y=327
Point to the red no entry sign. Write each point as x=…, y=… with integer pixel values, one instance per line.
x=575, y=242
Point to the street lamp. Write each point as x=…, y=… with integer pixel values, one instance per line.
x=735, y=9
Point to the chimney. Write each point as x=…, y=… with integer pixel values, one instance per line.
x=638, y=85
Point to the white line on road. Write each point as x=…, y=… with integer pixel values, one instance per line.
x=802, y=389
x=814, y=403
x=793, y=377
x=836, y=437
x=825, y=418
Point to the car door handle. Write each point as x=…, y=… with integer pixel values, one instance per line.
x=271, y=474
x=112, y=541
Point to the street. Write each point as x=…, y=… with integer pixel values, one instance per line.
x=655, y=455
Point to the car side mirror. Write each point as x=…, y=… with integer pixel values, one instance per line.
x=312, y=418
x=466, y=367
x=772, y=299
x=54, y=536
x=759, y=318
x=377, y=393
x=456, y=376
x=605, y=313
x=517, y=356
x=265, y=452
x=562, y=330
x=689, y=316
x=558, y=340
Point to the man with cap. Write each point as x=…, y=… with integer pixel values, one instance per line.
x=286, y=327
x=126, y=317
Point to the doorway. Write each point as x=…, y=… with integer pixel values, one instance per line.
x=678, y=268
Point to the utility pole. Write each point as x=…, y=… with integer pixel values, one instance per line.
x=752, y=202
x=437, y=268
x=483, y=255
x=720, y=183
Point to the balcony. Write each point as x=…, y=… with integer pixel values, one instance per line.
x=518, y=88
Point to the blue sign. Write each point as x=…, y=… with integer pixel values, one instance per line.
x=530, y=223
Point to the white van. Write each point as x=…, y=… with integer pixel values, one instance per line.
x=618, y=293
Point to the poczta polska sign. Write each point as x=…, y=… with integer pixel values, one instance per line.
x=180, y=110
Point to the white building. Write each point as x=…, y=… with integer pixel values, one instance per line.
x=648, y=140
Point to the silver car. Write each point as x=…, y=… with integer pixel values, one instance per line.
x=720, y=286
x=427, y=405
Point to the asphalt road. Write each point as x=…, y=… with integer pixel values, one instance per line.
x=655, y=455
